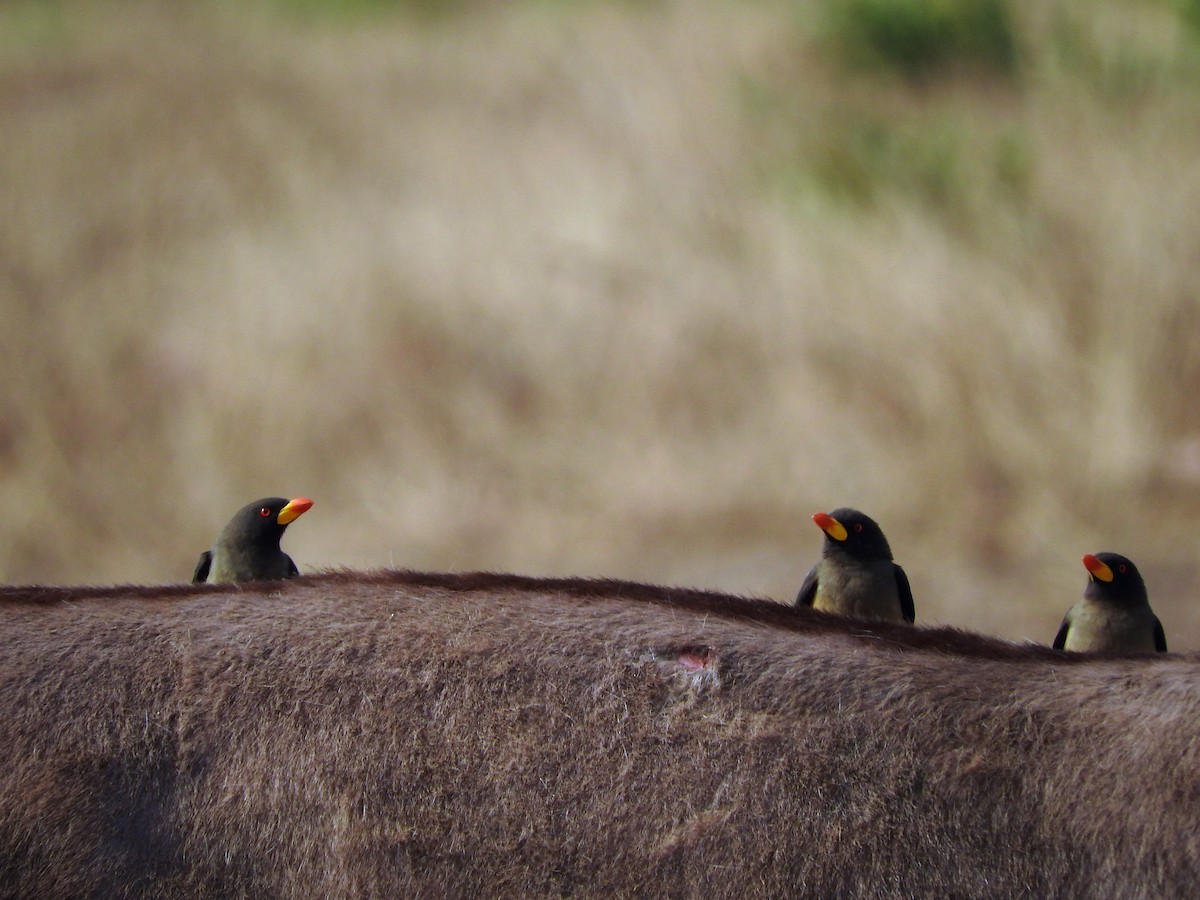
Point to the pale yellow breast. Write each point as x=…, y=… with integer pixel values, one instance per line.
x=867, y=592
x=1099, y=627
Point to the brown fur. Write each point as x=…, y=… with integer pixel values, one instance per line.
x=407, y=734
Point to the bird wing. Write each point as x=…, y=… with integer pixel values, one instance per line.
x=808, y=589
x=907, y=609
x=292, y=571
x=202, y=566
x=1060, y=639
x=1160, y=637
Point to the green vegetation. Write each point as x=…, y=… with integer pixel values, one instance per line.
x=925, y=100
x=940, y=161
x=356, y=9
x=922, y=38
x=1190, y=11
x=36, y=24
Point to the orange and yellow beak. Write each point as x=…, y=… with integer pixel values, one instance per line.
x=1097, y=569
x=294, y=510
x=830, y=526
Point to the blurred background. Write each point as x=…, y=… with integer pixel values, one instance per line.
x=623, y=289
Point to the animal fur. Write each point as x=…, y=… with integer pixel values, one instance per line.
x=410, y=735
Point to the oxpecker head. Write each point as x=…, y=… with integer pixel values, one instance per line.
x=262, y=523
x=1114, y=579
x=850, y=532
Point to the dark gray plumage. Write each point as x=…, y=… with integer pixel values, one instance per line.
x=247, y=549
x=855, y=575
x=1114, y=614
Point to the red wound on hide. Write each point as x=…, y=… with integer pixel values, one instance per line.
x=694, y=662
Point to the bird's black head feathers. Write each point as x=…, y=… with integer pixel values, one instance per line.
x=1113, y=578
x=260, y=524
x=852, y=533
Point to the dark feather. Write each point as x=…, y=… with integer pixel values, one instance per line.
x=907, y=608
x=202, y=567
x=1060, y=639
x=808, y=589
x=1160, y=637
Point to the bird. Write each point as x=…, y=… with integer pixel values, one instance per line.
x=247, y=549
x=855, y=575
x=1114, y=614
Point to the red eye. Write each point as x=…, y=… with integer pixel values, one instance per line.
x=265, y=512
x=1121, y=567
x=858, y=527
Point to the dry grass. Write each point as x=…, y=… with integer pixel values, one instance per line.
x=566, y=290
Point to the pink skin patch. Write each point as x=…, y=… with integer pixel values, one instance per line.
x=694, y=662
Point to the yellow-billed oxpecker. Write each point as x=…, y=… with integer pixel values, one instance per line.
x=247, y=549
x=855, y=575
x=1114, y=615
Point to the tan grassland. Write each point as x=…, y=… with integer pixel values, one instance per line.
x=566, y=289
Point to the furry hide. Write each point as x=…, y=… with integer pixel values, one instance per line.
x=399, y=734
